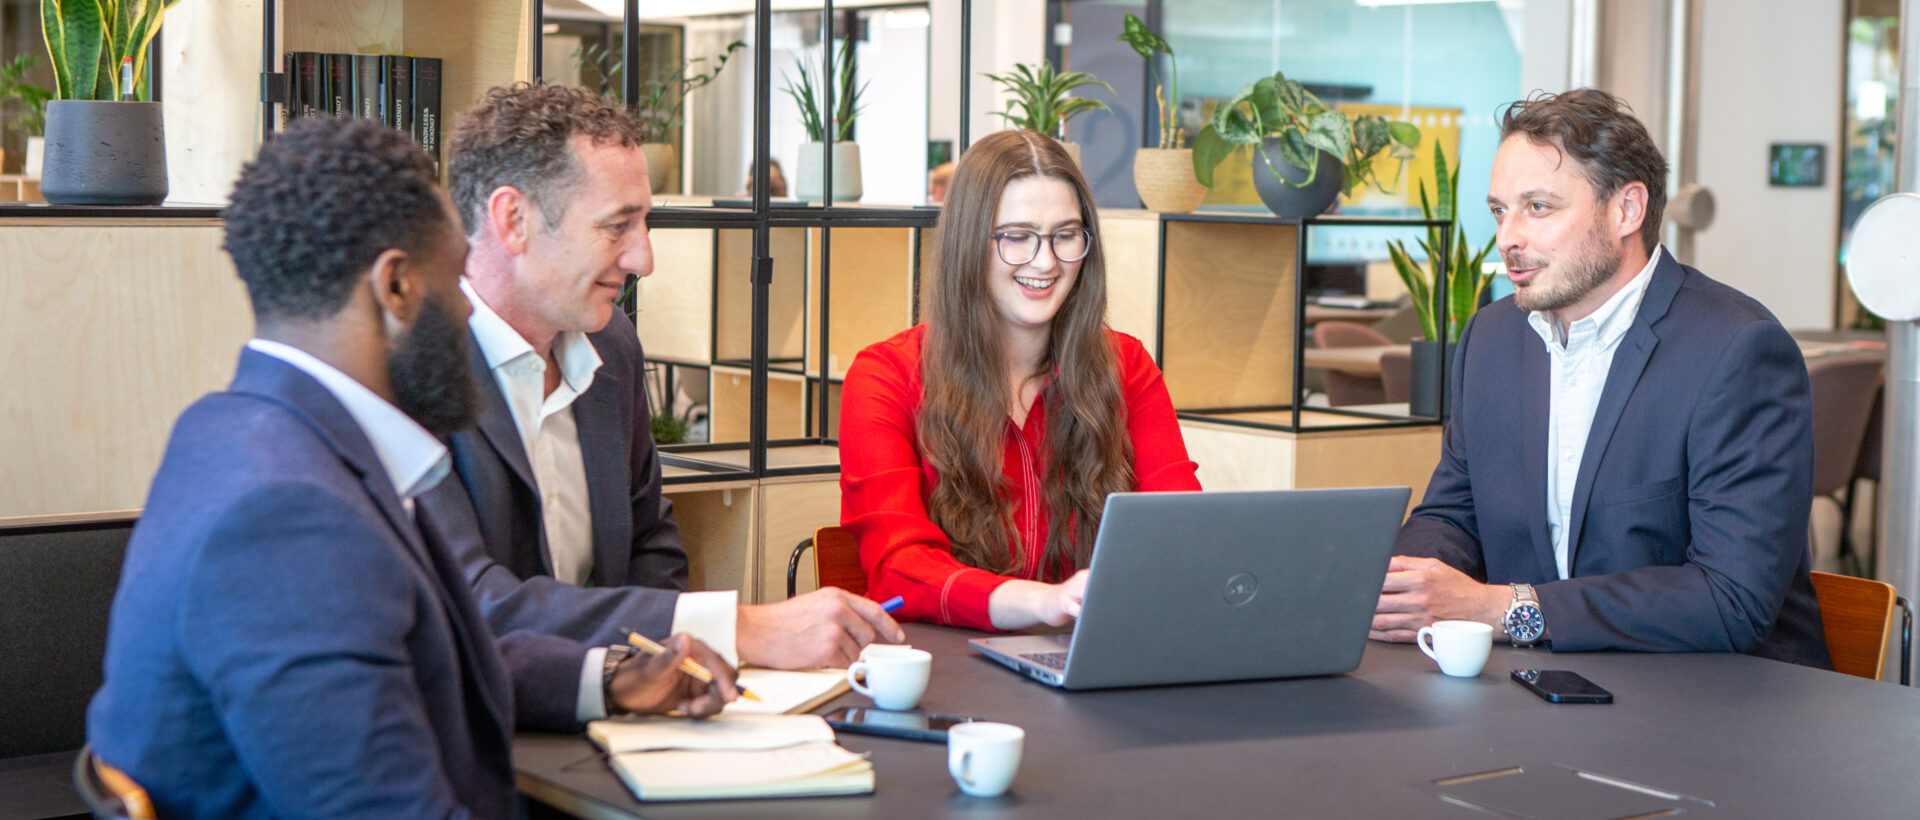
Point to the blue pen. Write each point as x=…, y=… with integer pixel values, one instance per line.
x=894, y=603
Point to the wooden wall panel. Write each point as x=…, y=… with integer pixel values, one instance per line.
x=1229, y=314
x=107, y=332
x=786, y=297
x=1131, y=240
x=792, y=508
x=718, y=526
x=872, y=298
x=676, y=302
x=1233, y=458
x=1369, y=458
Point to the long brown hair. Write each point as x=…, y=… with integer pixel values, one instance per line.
x=963, y=370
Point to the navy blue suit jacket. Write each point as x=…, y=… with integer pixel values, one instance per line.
x=287, y=641
x=639, y=564
x=1689, y=519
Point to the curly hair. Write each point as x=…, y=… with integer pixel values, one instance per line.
x=519, y=137
x=1608, y=144
x=319, y=204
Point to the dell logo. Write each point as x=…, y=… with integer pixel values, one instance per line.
x=1241, y=588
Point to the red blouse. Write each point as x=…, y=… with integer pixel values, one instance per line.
x=884, y=483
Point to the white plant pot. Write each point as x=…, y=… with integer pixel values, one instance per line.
x=846, y=172
x=36, y=157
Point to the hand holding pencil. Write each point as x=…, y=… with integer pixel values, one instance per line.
x=682, y=674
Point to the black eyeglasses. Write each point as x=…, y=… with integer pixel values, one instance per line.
x=1021, y=247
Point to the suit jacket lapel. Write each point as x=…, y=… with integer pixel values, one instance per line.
x=596, y=413
x=1535, y=407
x=1629, y=362
x=496, y=420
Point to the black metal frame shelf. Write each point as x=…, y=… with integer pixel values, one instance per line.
x=1365, y=420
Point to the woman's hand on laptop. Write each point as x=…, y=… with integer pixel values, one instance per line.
x=1020, y=604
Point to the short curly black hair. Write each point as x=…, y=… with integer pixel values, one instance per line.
x=319, y=204
x=519, y=137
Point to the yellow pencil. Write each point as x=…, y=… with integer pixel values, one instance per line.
x=687, y=665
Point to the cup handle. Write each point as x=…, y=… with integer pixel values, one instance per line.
x=958, y=767
x=855, y=671
x=1424, y=638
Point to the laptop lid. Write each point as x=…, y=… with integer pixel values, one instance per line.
x=1197, y=587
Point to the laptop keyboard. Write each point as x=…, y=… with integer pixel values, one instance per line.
x=1051, y=660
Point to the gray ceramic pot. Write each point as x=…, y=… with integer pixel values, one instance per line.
x=102, y=152
x=1290, y=202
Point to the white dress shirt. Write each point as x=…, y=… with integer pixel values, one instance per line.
x=1579, y=357
x=552, y=443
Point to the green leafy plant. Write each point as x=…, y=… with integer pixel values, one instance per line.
x=87, y=39
x=1303, y=126
x=32, y=99
x=1145, y=43
x=810, y=94
x=1041, y=97
x=1455, y=283
x=661, y=101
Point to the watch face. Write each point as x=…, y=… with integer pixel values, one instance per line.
x=1524, y=623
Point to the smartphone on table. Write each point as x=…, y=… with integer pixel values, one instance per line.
x=865, y=720
x=1561, y=686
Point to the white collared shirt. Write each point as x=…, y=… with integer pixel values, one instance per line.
x=551, y=440
x=1576, y=376
x=547, y=430
x=412, y=458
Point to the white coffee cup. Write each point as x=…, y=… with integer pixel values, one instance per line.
x=895, y=676
x=984, y=757
x=1461, y=647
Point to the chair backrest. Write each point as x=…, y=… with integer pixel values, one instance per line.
x=1345, y=388
x=1396, y=375
x=1843, y=389
x=1857, y=614
x=108, y=792
x=1335, y=333
x=836, y=561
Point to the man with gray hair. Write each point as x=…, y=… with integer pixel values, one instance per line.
x=1656, y=494
x=562, y=476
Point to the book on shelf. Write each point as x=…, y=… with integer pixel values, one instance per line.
x=425, y=122
x=339, y=70
x=306, y=85
x=397, y=94
x=366, y=86
x=730, y=757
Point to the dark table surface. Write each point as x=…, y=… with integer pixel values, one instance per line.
x=1735, y=736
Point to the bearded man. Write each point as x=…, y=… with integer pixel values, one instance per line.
x=1629, y=463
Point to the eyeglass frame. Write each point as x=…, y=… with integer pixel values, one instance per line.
x=1000, y=251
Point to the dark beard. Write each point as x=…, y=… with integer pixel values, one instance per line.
x=431, y=373
x=1586, y=270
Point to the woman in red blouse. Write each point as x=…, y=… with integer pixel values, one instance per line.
x=977, y=450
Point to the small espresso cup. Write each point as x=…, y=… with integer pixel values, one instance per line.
x=984, y=757
x=1460, y=647
x=895, y=677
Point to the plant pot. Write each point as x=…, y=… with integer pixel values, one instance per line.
x=1164, y=178
x=1430, y=365
x=846, y=172
x=659, y=165
x=104, y=152
x=1073, y=152
x=1290, y=202
x=36, y=157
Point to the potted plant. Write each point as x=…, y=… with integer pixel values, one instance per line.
x=660, y=104
x=1041, y=97
x=1321, y=154
x=106, y=144
x=31, y=119
x=1449, y=288
x=1163, y=175
x=809, y=93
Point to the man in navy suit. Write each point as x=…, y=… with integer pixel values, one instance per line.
x=561, y=473
x=291, y=635
x=1629, y=464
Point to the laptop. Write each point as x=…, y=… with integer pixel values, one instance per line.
x=1200, y=587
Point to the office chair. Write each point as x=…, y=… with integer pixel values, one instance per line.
x=1857, y=615
x=108, y=792
x=836, y=558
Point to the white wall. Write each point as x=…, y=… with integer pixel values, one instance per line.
x=1771, y=71
x=1004, y=32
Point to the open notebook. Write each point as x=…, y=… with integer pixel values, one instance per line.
x=786, y=693
x=730, y=756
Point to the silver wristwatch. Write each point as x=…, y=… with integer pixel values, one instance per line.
x=1524, y=623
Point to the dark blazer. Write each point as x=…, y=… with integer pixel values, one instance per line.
x=1689, y=516
x=286, y=640
x=639, y=565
